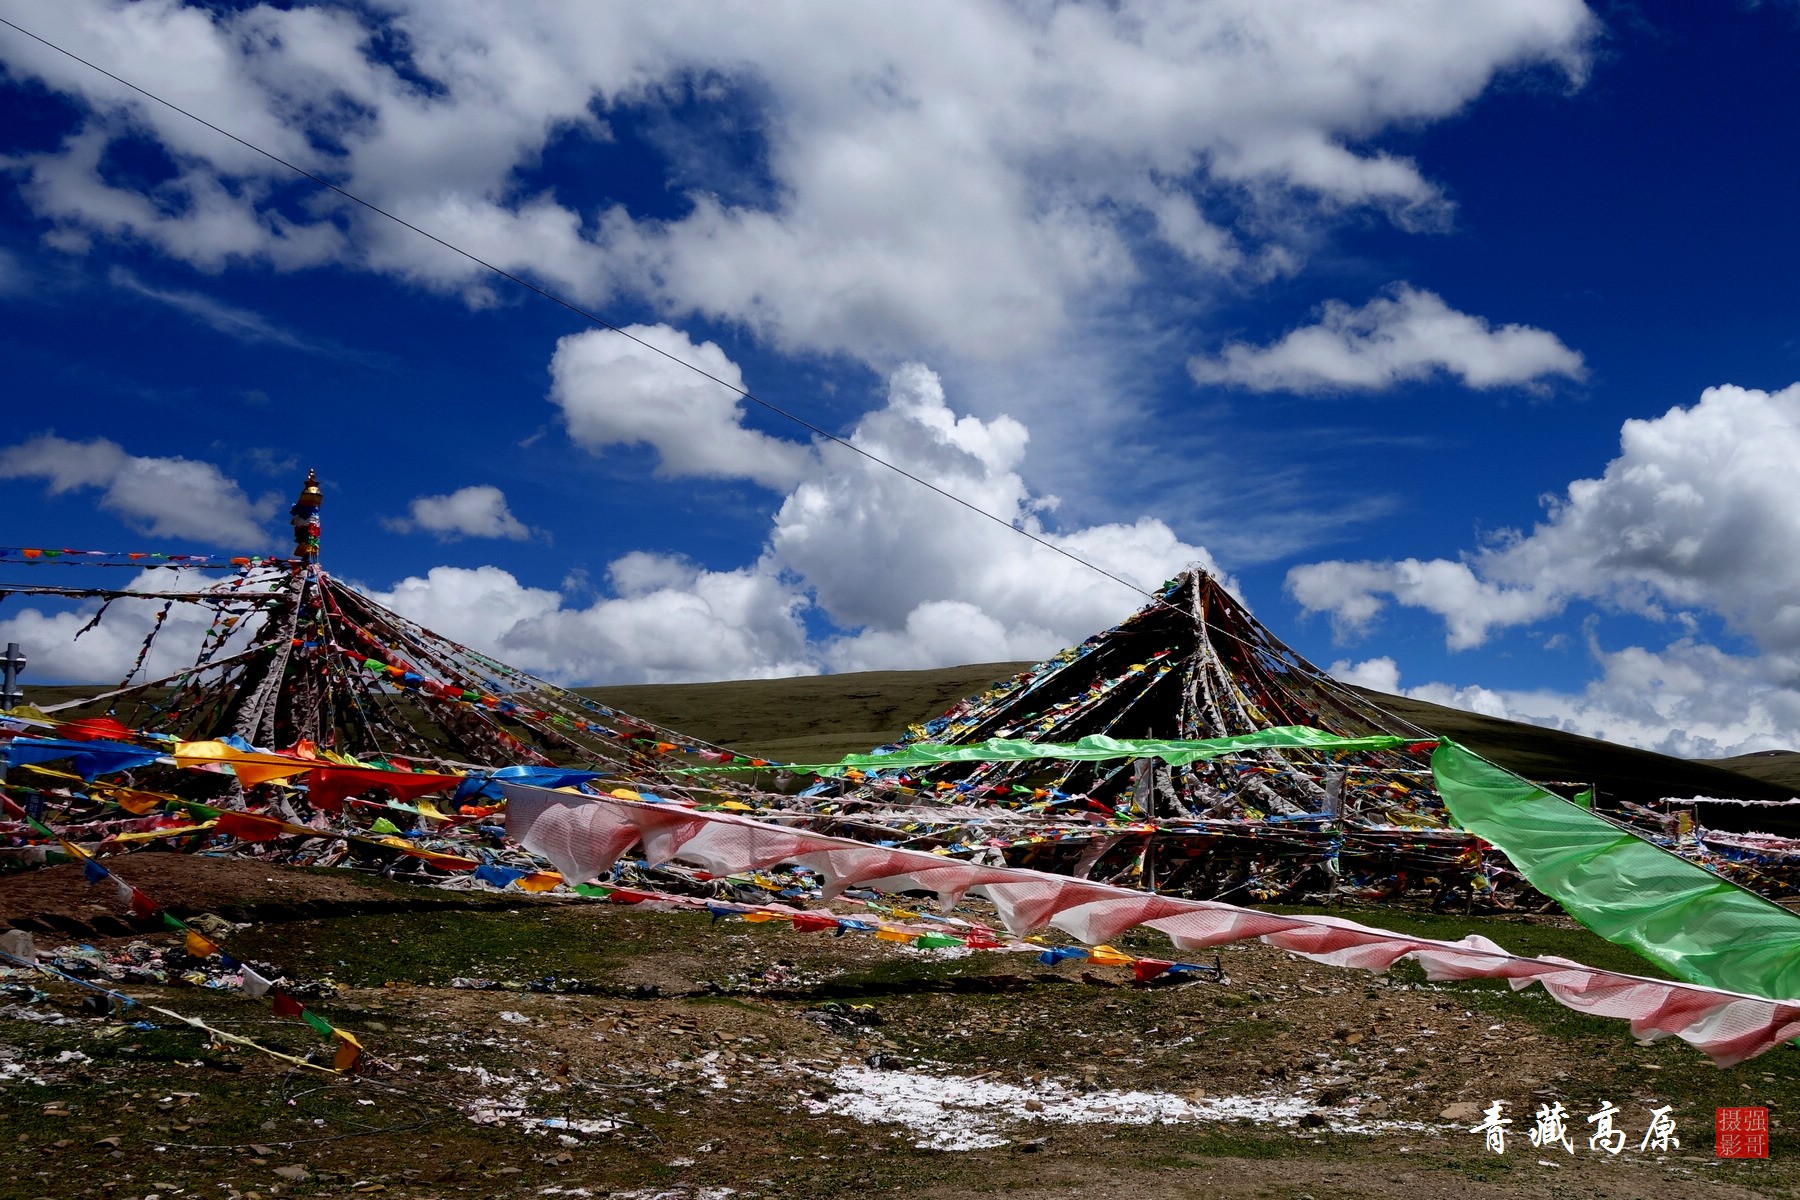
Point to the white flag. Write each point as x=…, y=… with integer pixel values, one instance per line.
x=253, y=985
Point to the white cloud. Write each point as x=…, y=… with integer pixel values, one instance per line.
x=915, y=579
x=477, y=511
x=695, y=624
x=166, y=497
x=908, y=577
x=1410, y=336
x=875, y=547
x=955, y=179
x=1471, y=607
x=1691, y=700
x=240, y=324
x=14, y=280
x=1696, y=511
x=60, y=653
x=616, y=391
x=1694, y=516
x=1379, y=674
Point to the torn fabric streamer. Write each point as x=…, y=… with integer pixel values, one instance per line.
x=583, y=835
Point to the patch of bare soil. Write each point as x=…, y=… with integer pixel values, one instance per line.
x=663, y=1055
x=58, y=900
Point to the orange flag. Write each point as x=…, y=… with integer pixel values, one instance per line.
x=349, y=1051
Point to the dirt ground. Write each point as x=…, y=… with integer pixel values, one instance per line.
x=58, y=899
x=627, y=1053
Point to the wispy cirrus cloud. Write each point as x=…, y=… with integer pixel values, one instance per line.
x=240, y=324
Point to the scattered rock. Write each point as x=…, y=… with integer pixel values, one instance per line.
x=1034, y=1105
x=294, y=1174
x=1313, y=1120
x=263, y=1151
x=1462, y=1110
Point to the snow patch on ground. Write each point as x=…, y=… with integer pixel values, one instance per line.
x=951, y=1112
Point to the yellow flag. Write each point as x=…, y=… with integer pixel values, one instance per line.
x=136, y=803
x=1106, y=956
x=199, y=947
x=251, y=768
x=543, y=881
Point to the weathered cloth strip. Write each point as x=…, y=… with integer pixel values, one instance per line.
x=583, y=835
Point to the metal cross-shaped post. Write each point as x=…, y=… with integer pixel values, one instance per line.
x=10, y=666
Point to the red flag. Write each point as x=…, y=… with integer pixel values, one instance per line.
x=1147, y=969
x=807, y=922
x=95, y=729
x=285, y=1005
x=327, y=787
x=248, y=827
x=142, y=906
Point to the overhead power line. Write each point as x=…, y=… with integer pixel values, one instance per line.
x=578, y=310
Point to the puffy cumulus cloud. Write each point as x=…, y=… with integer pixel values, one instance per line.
x=60, y=652
x=1408, y=336
x=614, y=390
x=477, y=511
x=1694, y=516
x=169, y=497
x=1695, y=512
x=1353, y=593
x=881, y=554
x=908, y=577
x=1383, y=675
x=1377, y=674
x=671, y=622
x=1691, y=699
x=955, y=178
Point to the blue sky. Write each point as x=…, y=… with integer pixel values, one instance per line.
x=1340, y=299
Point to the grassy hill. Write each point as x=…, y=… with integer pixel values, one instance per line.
x=823, y=717
x=820, y=718
x=815, y=718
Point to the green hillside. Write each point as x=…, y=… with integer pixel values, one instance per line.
x=813, y=718
x=822, y=717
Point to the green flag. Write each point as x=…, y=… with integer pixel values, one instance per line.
x=1682, y=917
x=1098, y=747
